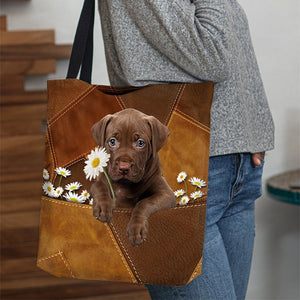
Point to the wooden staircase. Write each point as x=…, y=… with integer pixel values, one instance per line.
x=23, y=114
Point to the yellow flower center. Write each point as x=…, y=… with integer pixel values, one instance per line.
x=95, y=162
x=74, y=199
x=49, y=188
x=62, y=173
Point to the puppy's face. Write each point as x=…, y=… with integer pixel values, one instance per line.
x=132, y=139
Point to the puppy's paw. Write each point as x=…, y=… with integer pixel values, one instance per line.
x=102, y=210
x=137, y=231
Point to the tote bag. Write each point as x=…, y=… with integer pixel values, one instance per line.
x=72, y=243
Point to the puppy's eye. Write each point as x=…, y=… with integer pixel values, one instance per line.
x=140, y=143
x=112, y=142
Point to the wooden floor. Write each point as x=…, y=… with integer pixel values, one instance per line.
x=22, y=155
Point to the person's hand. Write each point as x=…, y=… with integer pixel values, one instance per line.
x=256, y=158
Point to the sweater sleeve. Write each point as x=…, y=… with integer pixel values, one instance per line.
x=193, y=34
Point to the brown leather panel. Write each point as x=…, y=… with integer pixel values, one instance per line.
x=49, y=162
x=173, y=249
x=86, y=245
x=70, y=132
x=196, y=102
x=187, y=149
x=77, y=174
x=156, y=102
x=63, y=92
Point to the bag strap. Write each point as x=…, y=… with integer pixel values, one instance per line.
x=82, y=51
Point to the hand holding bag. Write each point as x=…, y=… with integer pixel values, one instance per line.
x=72, y=242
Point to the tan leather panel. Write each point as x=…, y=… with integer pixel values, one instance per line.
x=196, y=101
x=67, y=250
x=161, y=260
x=181, y=152
x=197, y=271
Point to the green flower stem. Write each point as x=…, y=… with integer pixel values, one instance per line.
x=111, y=188
x=60, y=180
x=186, y=188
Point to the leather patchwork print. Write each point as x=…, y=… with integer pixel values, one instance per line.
x=72, y=242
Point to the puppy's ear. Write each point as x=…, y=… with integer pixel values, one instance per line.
x=159, y=133
x=99, y=128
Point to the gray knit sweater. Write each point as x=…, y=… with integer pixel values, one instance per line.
x=159, y=41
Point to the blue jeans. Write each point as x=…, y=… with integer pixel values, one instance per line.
x=234, y=184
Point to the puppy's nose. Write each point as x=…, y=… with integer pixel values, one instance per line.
x=124, y=167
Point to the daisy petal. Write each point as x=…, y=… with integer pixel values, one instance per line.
x=48, y=188
x=179, y=193
x=46, y=175
x=181, y=177
x=58, y=192
x=196, y=195
x=184, y=200
x=63, y=172
x=73, y=197
x=74, y=186
x=97, y=160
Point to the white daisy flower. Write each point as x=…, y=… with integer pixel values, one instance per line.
x=91, y=201
x=85, y=194
x=58, y=192
x=95, y=163
x=197, y=182
x=73, y=197
x=74, y=186
x=181, y=177
x=179, y=193
x=46, y=175
x=196, y=195
x=63, y=172
x=184, y=200
x=48, y=188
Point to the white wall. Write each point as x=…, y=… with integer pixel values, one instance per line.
x=275, y=27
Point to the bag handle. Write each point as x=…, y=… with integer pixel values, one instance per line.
x=82, y=50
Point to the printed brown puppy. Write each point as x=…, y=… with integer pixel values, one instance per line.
x=132, y=139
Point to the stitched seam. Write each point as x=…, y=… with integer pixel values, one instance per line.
x=81, y=157
x=51, y=147
x=182, y=87
x=66, y=263
x=60, y=115
x=62, y=202
x=192, y=121
x=75, y=160
x=48, y=257
x=85, y=206
x=120, y=101
x=175, y=103
x=71, y=105
x=60, y=254
x=120, y=253
x=52, y=162
x=126, y=253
